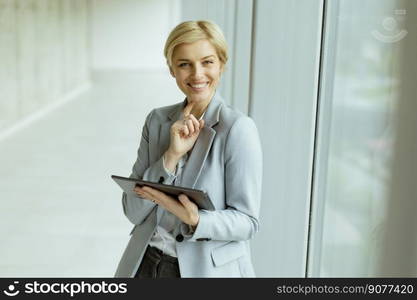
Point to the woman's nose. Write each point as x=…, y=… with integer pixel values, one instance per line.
x=197, y=71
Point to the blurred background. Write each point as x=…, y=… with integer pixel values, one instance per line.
x=331, y=85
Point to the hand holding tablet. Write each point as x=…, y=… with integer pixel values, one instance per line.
x=200, y=198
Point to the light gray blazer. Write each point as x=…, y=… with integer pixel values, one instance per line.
x=226, y=162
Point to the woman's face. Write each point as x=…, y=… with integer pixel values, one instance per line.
x=197, y=69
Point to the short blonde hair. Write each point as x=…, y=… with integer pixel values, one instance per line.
x=193, y=31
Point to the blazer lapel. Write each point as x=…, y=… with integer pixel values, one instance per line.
x=196, y=160
x=194, y=165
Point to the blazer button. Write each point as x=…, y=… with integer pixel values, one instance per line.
x=179, y=238
x=161, y=179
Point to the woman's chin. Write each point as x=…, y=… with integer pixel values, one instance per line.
x=199, y=98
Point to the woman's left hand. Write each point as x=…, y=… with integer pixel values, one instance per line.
x=184, y=209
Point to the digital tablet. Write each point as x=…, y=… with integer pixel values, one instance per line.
x=198, y=197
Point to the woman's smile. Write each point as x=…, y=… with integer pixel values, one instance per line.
x=198, y=87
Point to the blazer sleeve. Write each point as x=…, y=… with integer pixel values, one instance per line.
x=135, y=208
x=243, y=179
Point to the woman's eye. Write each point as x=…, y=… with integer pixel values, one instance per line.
x=183, y=65
x=208, y=62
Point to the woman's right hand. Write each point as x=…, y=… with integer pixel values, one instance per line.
x=183, y=134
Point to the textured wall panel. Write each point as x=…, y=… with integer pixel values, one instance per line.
x=72, y=43
x=287, y=36
x=8, y=90
x=81, y=54
x=43, y=54
x=55, y=46
x=42, y=50
x=26, y=46
x=66, y=44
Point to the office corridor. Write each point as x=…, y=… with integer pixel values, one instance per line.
x=60, y=210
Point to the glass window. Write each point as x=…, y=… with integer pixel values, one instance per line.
x=355, y=120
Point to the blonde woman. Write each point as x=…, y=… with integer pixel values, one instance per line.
x=199, y=143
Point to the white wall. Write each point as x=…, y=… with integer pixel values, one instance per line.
x=43, y=55
x=284, y=82
x=130, y=34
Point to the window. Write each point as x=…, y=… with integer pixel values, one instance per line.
x=359, y=93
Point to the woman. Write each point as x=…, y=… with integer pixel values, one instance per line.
x=199, y=143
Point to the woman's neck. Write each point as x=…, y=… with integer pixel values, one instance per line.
x=200, y=107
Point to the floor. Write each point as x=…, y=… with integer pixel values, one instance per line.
x=60, y=212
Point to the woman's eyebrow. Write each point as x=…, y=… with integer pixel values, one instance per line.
x=184, y=59
x=205, y=57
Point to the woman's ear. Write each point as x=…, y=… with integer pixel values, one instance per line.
x=172, y=72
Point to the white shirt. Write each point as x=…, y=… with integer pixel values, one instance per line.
x=163, y=238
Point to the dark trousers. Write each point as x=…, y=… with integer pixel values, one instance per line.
x=155, y=264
